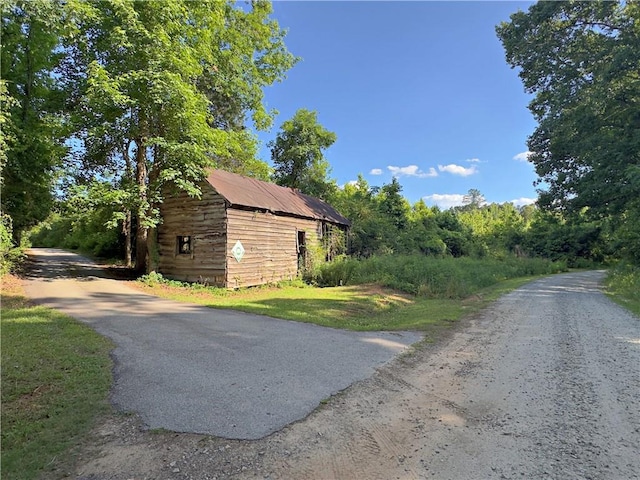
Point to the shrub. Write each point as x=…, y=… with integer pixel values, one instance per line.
x=152, y=278
x=10, y=255
x=335, y=273
x=623, y=281
x=86, y=233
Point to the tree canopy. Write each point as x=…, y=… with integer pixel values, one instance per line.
x=149, y=94
x=297, y=154
x=31, y=103
x=165, y=89
x=581, y=60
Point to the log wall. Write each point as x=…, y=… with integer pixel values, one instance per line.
x=204, y=220
x=270, y=244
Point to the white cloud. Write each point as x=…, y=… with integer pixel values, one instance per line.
x=523, y=156
x=458, y=169
x=446, y=200
x=375, y=171
x=412, y=171
x=350, y=182
x=519, y=202
x=474, y=160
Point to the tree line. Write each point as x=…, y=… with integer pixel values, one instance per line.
x=105, y=104
x=383, y=223
x=581, y=63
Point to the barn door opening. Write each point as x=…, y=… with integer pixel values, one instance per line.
x=302, y=250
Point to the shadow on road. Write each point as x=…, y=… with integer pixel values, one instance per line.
x=50, y=264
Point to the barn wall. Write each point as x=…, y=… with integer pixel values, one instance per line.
x=204, y=220
x=270, y=244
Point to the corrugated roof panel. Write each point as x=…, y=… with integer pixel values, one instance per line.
x=249, y=192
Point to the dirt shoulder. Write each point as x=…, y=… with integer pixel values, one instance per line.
x=542, y=384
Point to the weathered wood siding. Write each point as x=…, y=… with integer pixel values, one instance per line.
x=204, y=220
x=270, y=244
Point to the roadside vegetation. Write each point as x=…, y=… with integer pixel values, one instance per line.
x=423, y=276
x=623, y=286
x=56, y=375
x=10, y=254
x=379, y=293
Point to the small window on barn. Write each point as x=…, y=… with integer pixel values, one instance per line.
x=184, y=245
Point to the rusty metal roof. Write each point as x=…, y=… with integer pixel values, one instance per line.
x=249, y=192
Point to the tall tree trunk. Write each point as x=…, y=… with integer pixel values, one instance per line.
x=127, y=226
x=126, y=230
x=142, y=231
x=152, y=232
x=141, y=248
x=152, y=248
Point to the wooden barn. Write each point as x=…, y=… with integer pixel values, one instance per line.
x=242, y=232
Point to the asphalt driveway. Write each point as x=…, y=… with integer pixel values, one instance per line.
x=189, y=368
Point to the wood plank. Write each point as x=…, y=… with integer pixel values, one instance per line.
x=204, y=220
x=270, y=241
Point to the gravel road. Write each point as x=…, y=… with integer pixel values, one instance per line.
x=544, y=384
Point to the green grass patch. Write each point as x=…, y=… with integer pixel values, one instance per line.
x=623, y=286
x=56, y=375
x=357, y=307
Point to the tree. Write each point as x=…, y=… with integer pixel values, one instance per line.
x=423, y=233
x=394, y=205
x=371, y=231
x=7, y=102
x=457, y=236
x=473, y=199
x=32, y=130
x=554, y=237
x=297, y=155
x=160, y=91
x=498, y=227
x=581, y=60
x=79, y=219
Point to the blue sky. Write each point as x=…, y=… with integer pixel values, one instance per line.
x=416, y=90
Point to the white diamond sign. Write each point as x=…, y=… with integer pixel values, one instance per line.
x=238, y=251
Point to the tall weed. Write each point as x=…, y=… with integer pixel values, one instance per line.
x=433, y=277
x=623, y=282
x=338, y=272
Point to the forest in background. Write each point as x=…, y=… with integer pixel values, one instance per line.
x=105, y=103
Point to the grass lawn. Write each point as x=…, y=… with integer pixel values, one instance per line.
x=56, y=375
x=360, y=307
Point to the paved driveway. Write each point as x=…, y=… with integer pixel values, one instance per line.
x=194, y=369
